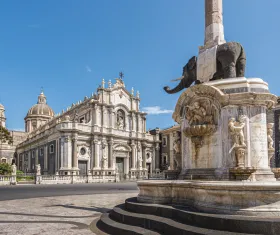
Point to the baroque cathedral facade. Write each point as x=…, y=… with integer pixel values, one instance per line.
x=103, y=134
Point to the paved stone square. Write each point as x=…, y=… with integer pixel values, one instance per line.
x=61, y=215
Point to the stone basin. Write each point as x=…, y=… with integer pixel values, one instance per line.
x=221, y=197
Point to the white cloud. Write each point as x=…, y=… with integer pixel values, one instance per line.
x=88, y=69
x=17, y=129
x=154, y=110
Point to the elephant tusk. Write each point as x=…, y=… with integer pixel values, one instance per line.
x=177, y=79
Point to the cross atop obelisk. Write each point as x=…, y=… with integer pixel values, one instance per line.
x=214, y=28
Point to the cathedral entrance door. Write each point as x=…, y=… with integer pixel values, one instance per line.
x=83, y=167
x=120, y=167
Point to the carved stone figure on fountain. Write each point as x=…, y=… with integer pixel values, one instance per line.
x=270, y=135
x=196, y=114
x=270, y=141
x=236, y=130
x=177, y=144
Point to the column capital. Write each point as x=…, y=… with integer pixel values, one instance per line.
x=144, y=146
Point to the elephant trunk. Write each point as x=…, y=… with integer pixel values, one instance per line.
x=176, y=89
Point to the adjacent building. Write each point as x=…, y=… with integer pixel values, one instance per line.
x=171, y=158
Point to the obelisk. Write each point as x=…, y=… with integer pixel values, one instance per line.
x=214, y=28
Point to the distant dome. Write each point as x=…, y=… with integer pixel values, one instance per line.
x=41, y=108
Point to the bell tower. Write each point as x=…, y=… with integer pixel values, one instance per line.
x=2, y=116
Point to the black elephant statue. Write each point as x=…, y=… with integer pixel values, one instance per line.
x=231, y=63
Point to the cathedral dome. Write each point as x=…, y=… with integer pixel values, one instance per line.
x=41, y=108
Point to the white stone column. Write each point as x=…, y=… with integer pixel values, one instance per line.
x=214, y=28
x=258, y=137
x=126, y=165
x=92, y=158
x=61, y=152
x=74, y=153
x=157, y=156
x=133, y=159
x=102, y=111
x=98, y=116
x=110, y=119
x=36, y=157
x=104, y=153
x=67, y=153
x=56, y=155
x=93, y=115
x=171, y=152
x=46, y=157
x=144, y=157
x=96, y=155
x=139, y=122
x=110, y=154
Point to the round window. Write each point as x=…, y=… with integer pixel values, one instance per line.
x=83, y=151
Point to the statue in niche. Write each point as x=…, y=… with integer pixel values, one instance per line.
x=139, y=147
x=197, y=115
x=236, y=130
x=270, y=135
x=120, y=120
x=140, y=160
x=76, y=116
x=177, y=143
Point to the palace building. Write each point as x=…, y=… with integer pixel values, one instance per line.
x=105, y=132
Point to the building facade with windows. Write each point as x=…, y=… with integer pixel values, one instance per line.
x=103, y=134
x=171, y=158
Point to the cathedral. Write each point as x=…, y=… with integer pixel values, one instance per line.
x=101, y=134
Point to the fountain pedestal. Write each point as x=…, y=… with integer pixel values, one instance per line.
x=224, y=130
x=226, y=147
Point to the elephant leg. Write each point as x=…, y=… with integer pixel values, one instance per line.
x=240, y=67
x=229, y=69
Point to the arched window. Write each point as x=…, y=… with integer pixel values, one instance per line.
x=120, y=119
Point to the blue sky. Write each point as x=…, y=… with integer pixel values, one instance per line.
x=68, y=46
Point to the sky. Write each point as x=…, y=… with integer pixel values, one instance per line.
x=68, y=46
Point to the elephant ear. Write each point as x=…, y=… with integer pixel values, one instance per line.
x=192, y=63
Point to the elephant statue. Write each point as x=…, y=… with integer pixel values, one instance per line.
x=231, y=62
